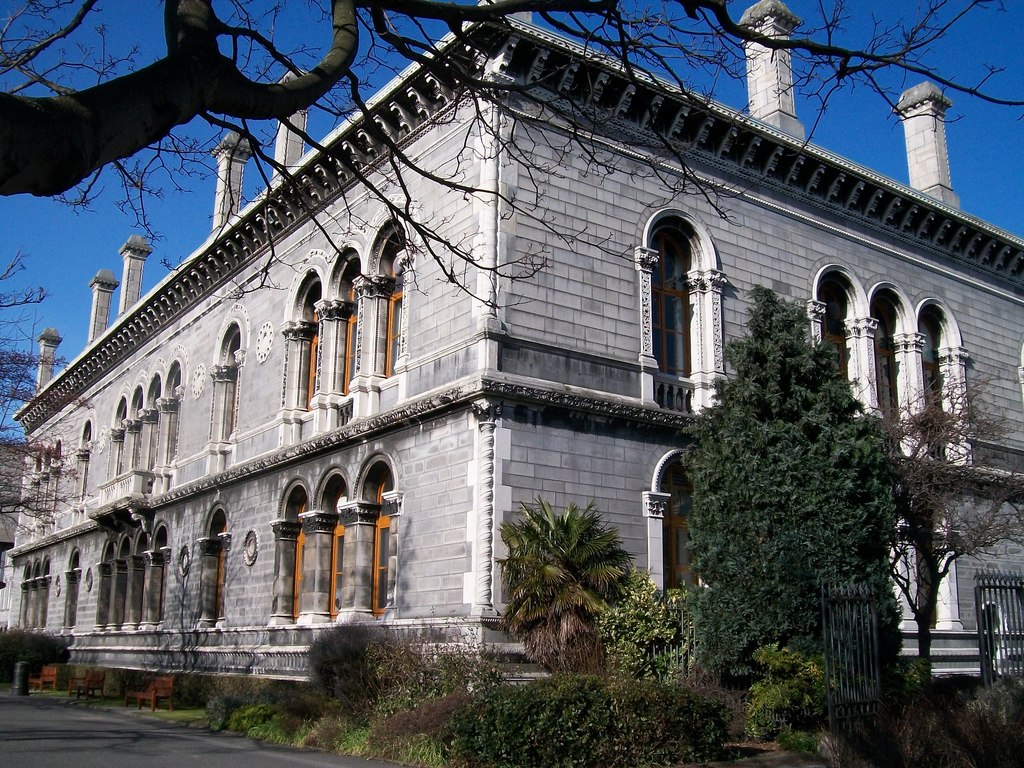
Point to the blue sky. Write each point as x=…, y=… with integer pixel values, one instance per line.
x=63, y=248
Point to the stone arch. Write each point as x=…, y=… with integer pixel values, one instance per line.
x=704, y=251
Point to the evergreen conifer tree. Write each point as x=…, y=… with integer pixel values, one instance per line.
x=792, y=490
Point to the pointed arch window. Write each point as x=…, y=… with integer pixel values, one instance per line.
x=392, y=269
x=225, y=378
x=73, y=576
x=671, y=302
x=218, y=528
x=335, y=494
x=883, y=309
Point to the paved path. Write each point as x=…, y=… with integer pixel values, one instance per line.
x=45, y=732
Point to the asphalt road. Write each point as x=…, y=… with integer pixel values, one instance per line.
x=37, y=732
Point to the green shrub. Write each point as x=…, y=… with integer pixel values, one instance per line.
x=798, y=741
x=34, y=647
x=219, y=709
x=790, y=694
x=580, y=721
x=638, y=630
x=249, y=716
x=339, y=663
x=278, y=731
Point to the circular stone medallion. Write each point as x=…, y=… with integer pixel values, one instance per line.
x=250, y=547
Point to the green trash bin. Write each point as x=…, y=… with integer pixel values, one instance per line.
x=20, y=687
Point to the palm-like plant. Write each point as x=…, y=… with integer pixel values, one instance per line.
x=561, y=570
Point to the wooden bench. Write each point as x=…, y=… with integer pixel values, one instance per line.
x=159, y=688
x=91, y=682
x=47, y=677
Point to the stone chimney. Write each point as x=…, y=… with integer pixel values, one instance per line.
x=134, y=253
x=49, y=340
x=769, y=71
x=289, y=146
x=231, y=154
x=923, y=112
x=103, y=286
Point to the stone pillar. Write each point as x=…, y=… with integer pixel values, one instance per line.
x=103, y=286
x=48, y=340
x=210, y=585
x=150, y=422
x=816, y=316
x=655, y=505
x=225, y=387
x=860, y=340
x=359, y=519
x=769, y=70
x=923, y=112
x=136, y=579
x=133, y=443
x=26, y=599
x=116, y=460
x=645, y=260
x=153, y=595
x=44, y=602
x=103, y=590
x=72, y=579
x=286, y=534
x=910, y=378
x=231, y=153
x=315, y=600
x=82, y=459
x=706, y=341
x=947, y=606
x=118, y=593
x=298, y=337
x=392, y=507
x=134, y=254
x=487, y=415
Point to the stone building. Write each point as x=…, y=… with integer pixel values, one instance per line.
x=260, y=447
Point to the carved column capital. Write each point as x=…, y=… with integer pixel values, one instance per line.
x=645, y=259
x=318, y=521
x=486, y=412
x=224, y=373
x=656, y=504
x=285, y=530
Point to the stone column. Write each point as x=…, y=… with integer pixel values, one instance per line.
x=116, y=460
x=816, y=314
x=706, y=341
x=136, y=579
x=286, y=534
x=315, y=600
x=359, y=519
x=82, y=458
x=298, y=337
x=655, y=505
x=103, y=590
x=72, y=579
x=332, y=339
x=392, y=507
x=487, y=415
x=910, y=378
x=209, y=549
x=225, y=379
x=150, y=419
x=861, y=342
x=118, y=593
x=133, y=443
x=153, y=594
x=26, y=599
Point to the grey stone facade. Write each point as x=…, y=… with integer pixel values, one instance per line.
x=233, y=431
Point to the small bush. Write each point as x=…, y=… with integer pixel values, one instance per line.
x=34, y=647
x=791, y=693
x=799, y=741
x=277, y=731
x=580, y=721
x=249, y=716
x=327, y=732
x=638, y=629
x=219, y=709
x=339, y=663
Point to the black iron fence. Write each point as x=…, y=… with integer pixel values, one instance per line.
x=999, y=599
x=852, y=673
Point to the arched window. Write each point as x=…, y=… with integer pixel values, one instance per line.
x=833, y=293
x=671, y=302
x=930, y=327
x=334, y=493
x=152, y=424
x=226, y=383
x=73, y=576
x=84, y=456
x=380, y=482
x=155, y=603
x=308, y=343
x=349, y=351
x=883, y=309
x=170, y=418
x=135, y=429
x=675, y=528
x=218, y=526
x=393, y=332
x=117, y=436
x=296, y=505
